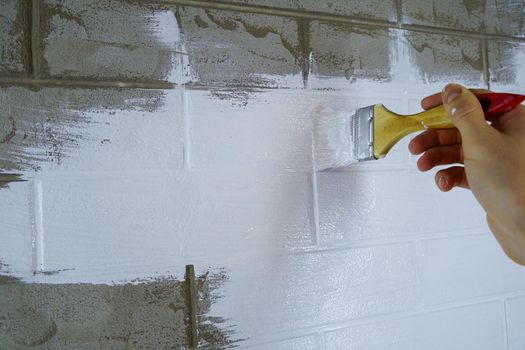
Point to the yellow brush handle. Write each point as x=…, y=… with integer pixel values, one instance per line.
x=390, y=127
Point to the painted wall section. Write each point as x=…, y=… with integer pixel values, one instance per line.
x=137, y=138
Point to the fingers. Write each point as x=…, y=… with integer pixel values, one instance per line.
x=433, y=138
x=447, y=179
x=466, y=113
x=437, y=99
x=440, y=156
x=432, y=101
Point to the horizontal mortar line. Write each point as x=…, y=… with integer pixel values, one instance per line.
x=80, y=83
x=314, y=15
x=244, y=87
x=286, y=335
x=309, y=249
x=403, y=314
x=460, y=32
x=277, y=11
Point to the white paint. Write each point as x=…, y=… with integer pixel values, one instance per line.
x=515, y=321
x=466, y=267
x=15, y=229
x=37, y=225
x=477, y=326
x=371, y=257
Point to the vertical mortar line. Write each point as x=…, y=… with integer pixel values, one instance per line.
x=35, y=37
x=485, y=58
x=506, y=326
x=321, y=340
x=399, y=13
x=417, y=249
x=192, y=306
x=187, y=128
x=315, y=208
x=37, y=239
x=303, y=29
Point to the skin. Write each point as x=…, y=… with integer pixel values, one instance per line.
x=491, y=161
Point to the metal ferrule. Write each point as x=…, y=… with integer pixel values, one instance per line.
x=363, y=134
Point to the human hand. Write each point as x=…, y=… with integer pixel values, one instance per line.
x=493, y=158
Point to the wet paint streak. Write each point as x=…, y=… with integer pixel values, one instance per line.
x=46, y=125
x=209, y=334
x=5, y=179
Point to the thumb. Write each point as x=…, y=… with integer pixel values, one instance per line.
x=465, y=111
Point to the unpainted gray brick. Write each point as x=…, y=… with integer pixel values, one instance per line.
x=14, y=37
x=445, y=58
x=108, y=40
x=369, y=9
x=89, y=316
x=492, y=16
x=505, y=62
x=240, y=49
x=342, y=50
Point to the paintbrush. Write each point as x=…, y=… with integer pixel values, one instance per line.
x=340, y=140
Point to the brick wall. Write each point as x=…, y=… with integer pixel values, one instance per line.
x=153, y=135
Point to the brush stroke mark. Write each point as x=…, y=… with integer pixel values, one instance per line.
x=467, y=14
x=240, y=49
x=441, y=58
x=505, y=62
x=237, y=97
x=5, y=278
x=341, y=50
x=211, y=336
x=475, y=61
x=46, y=125
x=14, y=37
x=87, y=39
x=141, y=314
x=6, y=178
x=51, y=272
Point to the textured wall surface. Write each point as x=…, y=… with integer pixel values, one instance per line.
x=137, y=138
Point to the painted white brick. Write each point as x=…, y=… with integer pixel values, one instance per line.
x=245, y=212
x=139, y=138
x=515, y=309
x=467, y=267
x=281, y=293
x=132, y=224
x=473, y=327
x=302, y=343
x=16, y=231
x=236, y=129
x=363, y=205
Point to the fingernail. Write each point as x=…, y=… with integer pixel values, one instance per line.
x=442, y=183
x=451, y=92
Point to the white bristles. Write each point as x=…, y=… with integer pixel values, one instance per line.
x=332, y=139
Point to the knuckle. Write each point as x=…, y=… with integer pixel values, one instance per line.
x=466, y=110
